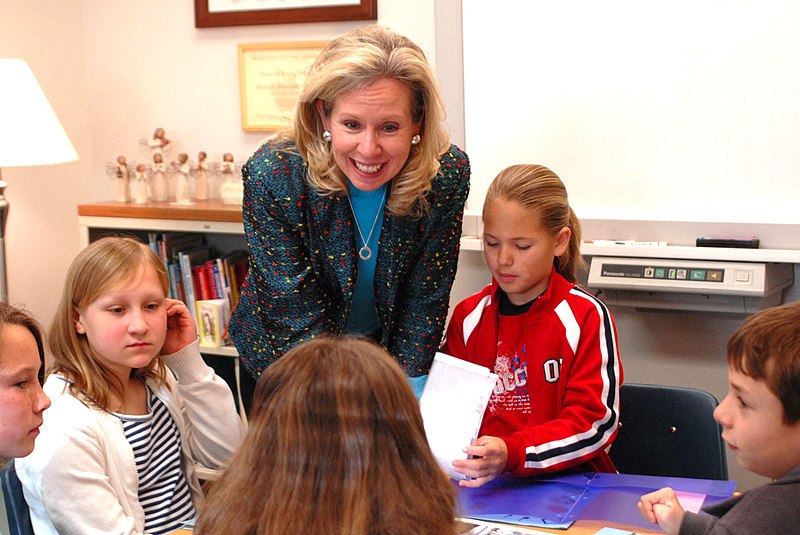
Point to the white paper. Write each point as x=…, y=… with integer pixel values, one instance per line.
x=452, y=405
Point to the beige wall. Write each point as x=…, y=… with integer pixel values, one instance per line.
x=41, y=237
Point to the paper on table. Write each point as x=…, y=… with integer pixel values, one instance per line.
x=452, y=405
x=690, y=501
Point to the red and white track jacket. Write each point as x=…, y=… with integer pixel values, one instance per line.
x=571, y=370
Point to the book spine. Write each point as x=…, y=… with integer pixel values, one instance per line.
x=152, y=239
x=174, y=279
x=233, y=286
x=188, y=283
x=219, y=285
x=201, y=279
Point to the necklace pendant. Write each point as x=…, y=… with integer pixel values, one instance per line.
x=365, y=253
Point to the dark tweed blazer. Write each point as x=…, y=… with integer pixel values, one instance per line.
x=303, y=263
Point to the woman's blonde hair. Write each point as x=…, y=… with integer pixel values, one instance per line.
x=336, y=446
x=539, y=189
x=104, y=265
x=354, y=61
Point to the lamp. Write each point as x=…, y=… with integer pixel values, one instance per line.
x=30, y=134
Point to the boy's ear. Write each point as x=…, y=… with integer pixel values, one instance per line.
x=76, y=321
x=562, y=240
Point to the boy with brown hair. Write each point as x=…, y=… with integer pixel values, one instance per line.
x=760, y=418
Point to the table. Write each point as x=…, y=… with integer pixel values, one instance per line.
x=581, y=527
x=590, y=527
x=589, y=501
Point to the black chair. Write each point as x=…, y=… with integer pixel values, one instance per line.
x=19, y=517
x=669, y=431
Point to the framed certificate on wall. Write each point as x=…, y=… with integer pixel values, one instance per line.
x=271, y=76
x=211, y=13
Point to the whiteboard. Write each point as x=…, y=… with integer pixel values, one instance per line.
x=680, y=110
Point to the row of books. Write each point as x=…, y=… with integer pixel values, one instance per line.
x=207, y=282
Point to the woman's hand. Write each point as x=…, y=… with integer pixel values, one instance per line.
x=489, y=456
x=181, y=327
x=662, y=507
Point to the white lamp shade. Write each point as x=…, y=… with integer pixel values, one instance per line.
x=30, y=133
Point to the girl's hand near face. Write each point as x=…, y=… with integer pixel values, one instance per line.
x=181, y=327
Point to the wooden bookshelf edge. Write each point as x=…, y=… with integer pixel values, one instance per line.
x=210, y=210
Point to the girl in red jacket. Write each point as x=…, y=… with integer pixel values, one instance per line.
x=553, y=345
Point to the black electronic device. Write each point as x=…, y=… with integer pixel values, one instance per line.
x=740, y=243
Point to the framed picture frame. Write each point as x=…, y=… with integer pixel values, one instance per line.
x=271, y=76
x=213, y=13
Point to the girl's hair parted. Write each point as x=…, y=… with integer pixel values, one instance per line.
x=336, y=446
x=540, y=190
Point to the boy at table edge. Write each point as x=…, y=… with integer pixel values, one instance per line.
x=760, y=418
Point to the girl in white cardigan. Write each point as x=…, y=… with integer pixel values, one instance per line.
x=134, y=406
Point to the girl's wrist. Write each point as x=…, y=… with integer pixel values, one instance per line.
x=186, y=363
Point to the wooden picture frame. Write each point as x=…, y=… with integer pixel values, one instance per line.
x=271, y=76
x=251, y=12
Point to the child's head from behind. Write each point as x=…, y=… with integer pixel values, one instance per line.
x=528, y=226
x=111, y=316
x=22, y=400
x=335, y=419
x=761, y=413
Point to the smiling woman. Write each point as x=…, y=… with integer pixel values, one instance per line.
x=353, y=213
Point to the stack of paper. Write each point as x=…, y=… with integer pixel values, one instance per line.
x=452, y=405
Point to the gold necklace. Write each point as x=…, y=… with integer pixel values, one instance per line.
x=365, y=253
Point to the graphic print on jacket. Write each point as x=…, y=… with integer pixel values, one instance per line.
x=568, y=370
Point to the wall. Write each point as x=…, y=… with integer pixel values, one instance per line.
x=42, y=229
x=148, y=66
x=674, y=111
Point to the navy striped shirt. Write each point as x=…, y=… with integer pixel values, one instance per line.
x=163, y=490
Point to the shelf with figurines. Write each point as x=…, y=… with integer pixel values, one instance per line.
x=180, y=181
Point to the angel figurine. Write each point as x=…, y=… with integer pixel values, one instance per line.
x=142, y=181
x=158, y=144
x=121, y=171
x=159, y=187
x=231, y=190
x=183, y=168
x=201, y=178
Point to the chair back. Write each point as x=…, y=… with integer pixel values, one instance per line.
x=669, y=431
x=19, y=517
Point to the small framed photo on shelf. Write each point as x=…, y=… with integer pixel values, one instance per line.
x=212, y=13
x=212, y=322
x=271, y=76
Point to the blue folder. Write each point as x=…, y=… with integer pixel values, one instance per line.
x=557, y=501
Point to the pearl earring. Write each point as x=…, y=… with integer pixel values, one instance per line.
x=326, y=136
x=415, y=140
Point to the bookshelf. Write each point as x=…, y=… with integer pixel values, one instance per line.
x=220, y=225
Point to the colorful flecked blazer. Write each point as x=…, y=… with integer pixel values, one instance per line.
x=303, y=263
